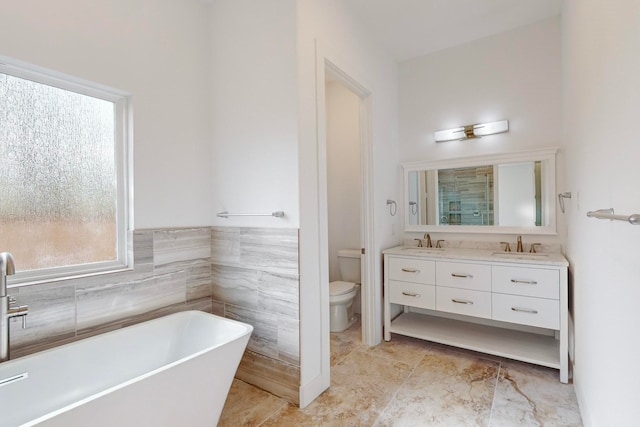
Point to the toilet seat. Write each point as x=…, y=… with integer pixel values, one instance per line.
x=340, y=288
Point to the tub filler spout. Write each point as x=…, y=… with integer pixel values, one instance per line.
x=8, y=307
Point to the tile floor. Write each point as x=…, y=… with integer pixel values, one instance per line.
x=409, y=382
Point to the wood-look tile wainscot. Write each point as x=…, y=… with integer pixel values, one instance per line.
x=172, y=272
x=255, y=280
x=248, y=274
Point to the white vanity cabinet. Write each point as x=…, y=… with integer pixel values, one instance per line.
x=509, y=305
x=527, y=296
x=412, y=282
x=463, y=288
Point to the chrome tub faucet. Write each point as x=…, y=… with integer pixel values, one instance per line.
x=8, y=307
x=7, y=268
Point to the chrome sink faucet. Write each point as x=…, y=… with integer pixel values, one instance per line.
x=8, y=309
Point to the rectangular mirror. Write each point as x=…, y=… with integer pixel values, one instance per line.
x=508, y=193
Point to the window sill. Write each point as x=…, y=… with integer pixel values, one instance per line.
x=67, y=277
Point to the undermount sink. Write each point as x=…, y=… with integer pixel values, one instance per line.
x=419, y=249
x=521, y=255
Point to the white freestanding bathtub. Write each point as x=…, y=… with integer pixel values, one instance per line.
x=172, y=371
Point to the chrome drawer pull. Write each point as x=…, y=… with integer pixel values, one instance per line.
x=524, y=310
x=411, y=294
x=411, y=270
x=526, y=282
x=466, y=276
x=461, y=301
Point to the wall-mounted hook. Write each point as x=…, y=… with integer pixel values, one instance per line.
x=393, y=207
x=561, y=197
x=414, y=207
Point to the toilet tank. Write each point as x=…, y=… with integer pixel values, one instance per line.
x=349, y=263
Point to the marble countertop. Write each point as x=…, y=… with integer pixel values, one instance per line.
x=550, y=258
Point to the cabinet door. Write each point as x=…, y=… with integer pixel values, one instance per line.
x=531, y=282
x=413, y=294
x=540, y=312
x=412, y=270
x=463, y=301
x=464, y=275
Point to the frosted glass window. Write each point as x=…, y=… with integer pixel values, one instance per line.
x=59, y=181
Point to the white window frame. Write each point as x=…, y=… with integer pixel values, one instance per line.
x=123, y=162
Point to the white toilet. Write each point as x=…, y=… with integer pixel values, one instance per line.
x=342, y=292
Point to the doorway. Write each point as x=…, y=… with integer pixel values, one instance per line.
x=315, y=348
x=351, y=201
x=344, y=209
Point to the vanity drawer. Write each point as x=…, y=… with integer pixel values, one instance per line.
x=463, y=301
x=412, y=270
x=413, y=294
x=531, y=282
x=543, y=313
x=464, y=275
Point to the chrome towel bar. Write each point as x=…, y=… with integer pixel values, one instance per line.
x=609, y=214
x=277, y=214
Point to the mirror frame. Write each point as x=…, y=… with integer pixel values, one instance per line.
x=545, y=154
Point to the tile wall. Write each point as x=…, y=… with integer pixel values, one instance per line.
x=248, y=274
x=466, y=195
x=255, y=280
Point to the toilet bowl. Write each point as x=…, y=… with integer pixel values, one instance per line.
x=343, y=292
x=341, y=295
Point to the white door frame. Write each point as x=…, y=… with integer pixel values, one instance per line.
x=366, y=179
x=315, y=353
x=326, y=65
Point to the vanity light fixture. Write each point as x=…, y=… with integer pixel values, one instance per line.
x=472, y=131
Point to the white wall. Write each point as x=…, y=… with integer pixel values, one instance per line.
x=601, y=83
x=254, y=114
x=224, y=110
x=349, y=46
x=159, y=52
x=265, y=133
x=514, y=75
x=343, y=172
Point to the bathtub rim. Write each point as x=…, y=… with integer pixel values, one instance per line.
x=248, y=329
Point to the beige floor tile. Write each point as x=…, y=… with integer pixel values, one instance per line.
x=403, y=349
x=415, y=383
x=528, y=395
x=447, y=388
x=248, y=406
x=361, y=386
x=343, y=343
x=479, y=354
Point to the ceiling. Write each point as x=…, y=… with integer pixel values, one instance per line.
x=411, y=28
